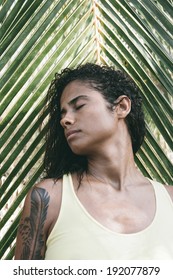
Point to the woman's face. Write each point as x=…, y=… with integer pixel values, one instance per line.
x=88, y=123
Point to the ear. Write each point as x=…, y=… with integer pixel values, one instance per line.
x=123, y=106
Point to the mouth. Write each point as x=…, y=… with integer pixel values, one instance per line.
x=71, y=133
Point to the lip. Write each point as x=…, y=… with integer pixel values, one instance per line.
x=71, y=132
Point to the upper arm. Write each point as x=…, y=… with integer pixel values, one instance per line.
x=31, y=237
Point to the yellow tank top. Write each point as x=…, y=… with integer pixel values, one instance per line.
x=78, y=236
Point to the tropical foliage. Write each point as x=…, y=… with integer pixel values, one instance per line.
x=39, y=38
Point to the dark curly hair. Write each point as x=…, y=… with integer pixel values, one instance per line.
x=111, y=83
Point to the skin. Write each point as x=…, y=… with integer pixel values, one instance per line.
x=113, y=191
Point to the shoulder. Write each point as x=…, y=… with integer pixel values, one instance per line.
x=49, y=186
x=52, y=189
x=169, y=190
x=46, y=187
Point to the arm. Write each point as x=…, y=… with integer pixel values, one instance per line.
x=32, y=233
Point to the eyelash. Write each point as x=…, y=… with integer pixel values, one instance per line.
x=76, y=108
x=80, y=106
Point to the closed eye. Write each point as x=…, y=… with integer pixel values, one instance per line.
x=79, y=107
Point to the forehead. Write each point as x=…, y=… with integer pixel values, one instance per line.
x=78, y=88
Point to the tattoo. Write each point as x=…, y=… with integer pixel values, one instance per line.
x=31, y=229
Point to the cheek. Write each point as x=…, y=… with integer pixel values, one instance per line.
x=96, y=128
x=103, y=122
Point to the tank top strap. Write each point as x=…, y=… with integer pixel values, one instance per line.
x=67, y=193
x=164, y=203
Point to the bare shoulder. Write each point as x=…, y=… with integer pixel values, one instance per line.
x=170, y=190
x=52, y=189
x=45, y=188
x=44, y=197
x=49, y=184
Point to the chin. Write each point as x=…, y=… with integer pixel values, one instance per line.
x=78, y=150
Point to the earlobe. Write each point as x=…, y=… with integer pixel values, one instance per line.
x=123, y=106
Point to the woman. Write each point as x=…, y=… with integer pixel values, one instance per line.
x=94, y=203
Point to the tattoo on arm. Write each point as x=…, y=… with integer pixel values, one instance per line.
x=31, y=229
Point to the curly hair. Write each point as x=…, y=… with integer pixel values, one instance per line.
x=111, y=83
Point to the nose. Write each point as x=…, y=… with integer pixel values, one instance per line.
x=67, y=121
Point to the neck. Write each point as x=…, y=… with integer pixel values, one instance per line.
x=115, y=167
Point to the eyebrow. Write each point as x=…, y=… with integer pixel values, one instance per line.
x=74, y=101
